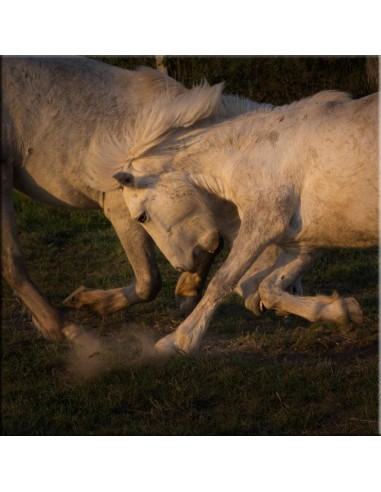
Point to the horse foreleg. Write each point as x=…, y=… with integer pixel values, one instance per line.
x=190, y=285
x=246, y=249
x=247, y=287
x=140, y=251
x=291, y=265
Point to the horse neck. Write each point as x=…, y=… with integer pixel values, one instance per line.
x=212, y=182
x=206, y=167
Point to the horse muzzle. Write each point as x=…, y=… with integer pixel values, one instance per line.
x=207, y=249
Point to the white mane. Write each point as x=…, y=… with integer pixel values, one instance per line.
x=147, y=83
x=108, y=154
x=232, y=106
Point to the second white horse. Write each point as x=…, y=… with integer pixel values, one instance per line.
x=303, y=177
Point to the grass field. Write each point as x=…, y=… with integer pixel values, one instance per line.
x=253, y=376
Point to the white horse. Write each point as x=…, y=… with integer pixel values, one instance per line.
x=55, y=114
x=303, y=177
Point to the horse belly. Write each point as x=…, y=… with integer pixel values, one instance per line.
x=341, y=222
x=54, y=185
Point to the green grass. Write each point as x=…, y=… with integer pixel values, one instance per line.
x=234, y=394
x=253, y=376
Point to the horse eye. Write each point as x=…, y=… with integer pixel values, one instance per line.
x=142, y=218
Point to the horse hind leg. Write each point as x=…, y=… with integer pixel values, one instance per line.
x=48, y=320
x=272, y=292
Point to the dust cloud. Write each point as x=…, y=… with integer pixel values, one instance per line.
x=128, y=345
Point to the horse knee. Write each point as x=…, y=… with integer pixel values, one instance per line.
x=148, y=289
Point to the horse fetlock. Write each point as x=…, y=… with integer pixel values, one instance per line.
x=72, y=331
x=166, y=347
x=210, y=241
x=51, y=329
x=177, y=344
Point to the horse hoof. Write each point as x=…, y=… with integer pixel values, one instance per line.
x=165, y=349
x=354, y=310
x=72, y=299
x=253, y=304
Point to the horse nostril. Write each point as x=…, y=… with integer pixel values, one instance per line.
x=210, y=242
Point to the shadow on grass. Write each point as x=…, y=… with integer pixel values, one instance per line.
x=259, y=382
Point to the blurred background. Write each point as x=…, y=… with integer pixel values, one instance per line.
x=277, y=80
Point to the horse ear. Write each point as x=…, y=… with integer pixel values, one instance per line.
x=125, y=179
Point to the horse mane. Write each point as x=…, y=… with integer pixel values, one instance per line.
x=167, y=113
x=152, y=124
x=329, y=96
x=147, y=83
x=231, y=106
